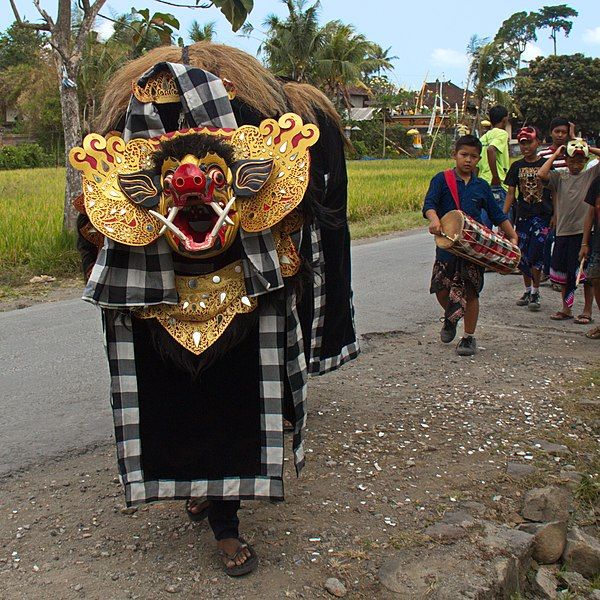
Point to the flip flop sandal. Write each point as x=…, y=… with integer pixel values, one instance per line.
x=593, y=334
x=244, y=568
x=583, y=320
x=561, y=316
x=194, y=516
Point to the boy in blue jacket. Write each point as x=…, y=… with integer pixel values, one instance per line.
x=457, y=282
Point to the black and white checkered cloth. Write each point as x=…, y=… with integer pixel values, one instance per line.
x=126, y=277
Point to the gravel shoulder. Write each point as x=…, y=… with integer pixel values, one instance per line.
x=396, y=439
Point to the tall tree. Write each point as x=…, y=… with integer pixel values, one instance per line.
x=553, y=85
x=293, y=43
x=516, y=32
x=556, y=18
x=202, y=33
x=141, y=31
x=490, y=73
x=343, y=59
x=68, y=43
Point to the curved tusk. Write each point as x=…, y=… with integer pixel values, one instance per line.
x=171, y=217
x=215, y=206
x=222, y=218
x=173, y=228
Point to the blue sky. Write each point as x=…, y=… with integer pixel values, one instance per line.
x=429, y=39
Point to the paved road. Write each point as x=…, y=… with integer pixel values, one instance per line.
x=53, y=373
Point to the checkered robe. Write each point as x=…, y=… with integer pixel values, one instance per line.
x=126, y=277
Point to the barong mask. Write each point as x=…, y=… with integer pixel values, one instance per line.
x=195, y=186
x=198, y=187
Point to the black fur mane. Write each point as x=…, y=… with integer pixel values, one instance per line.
x=197, y=144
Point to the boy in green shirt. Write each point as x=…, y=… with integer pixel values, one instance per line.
x=495, y=160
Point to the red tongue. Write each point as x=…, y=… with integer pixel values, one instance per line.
x=190, y=245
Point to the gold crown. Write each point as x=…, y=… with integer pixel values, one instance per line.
x=160, y=89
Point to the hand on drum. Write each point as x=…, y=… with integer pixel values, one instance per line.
x=435, y=227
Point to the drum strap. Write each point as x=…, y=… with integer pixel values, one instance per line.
x=451, y=182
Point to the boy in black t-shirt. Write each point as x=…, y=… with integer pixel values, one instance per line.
x=534, y=211
x=591, y=249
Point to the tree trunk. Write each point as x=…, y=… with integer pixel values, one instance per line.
x=384, y=135
x=69, y=105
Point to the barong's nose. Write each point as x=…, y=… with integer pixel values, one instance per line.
x=189, y=179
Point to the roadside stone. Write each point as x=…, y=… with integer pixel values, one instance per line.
x=571, y=478
x=549, y=540
x=459, y=518
x=551, y=448
x=577, y=583
x=129, y=510
x=547, y=504
x=518, y=470
x=594, y=595
x=473, y=507
x=335, y=587
x=582, y=553
x=172, y=589
x=546, y=584
x=495, y=571
x=445, y=532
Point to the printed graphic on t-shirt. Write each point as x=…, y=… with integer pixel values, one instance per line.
x=530, y=186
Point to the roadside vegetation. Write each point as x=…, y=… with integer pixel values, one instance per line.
x=385, y=196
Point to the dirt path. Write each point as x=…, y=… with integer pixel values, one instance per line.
x=406, y=433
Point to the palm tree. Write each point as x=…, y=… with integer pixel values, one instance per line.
x=490, y=68
x=344, y=57
x=292, y=44
x=378, y=60
x=204, y=33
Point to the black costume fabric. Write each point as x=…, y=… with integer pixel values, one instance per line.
x=219, y=433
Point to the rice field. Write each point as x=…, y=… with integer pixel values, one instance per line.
x=383, y=196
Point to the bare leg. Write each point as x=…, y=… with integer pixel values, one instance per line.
x=527, y=280
x=536, y=276
x=588, y=296
x=471, y=313
x=442, y=298
x=565, y=307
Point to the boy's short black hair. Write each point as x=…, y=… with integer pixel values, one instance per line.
x=497, y=113
x=468, y=140
x=559, y=122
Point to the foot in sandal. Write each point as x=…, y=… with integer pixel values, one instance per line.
x=238, y=556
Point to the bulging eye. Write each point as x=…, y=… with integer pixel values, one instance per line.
x=217, y=176
x=167, y=182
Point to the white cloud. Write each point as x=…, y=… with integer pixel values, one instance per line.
x=104, y=29
x=531, y=51
x=592, y=36
x=446, y=57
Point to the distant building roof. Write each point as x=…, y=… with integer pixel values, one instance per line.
x=361, y=114
x=452, y=94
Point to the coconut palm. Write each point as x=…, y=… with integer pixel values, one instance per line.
x=203, y=33
x=490, y=72
x=343, y=59
x=292, y=43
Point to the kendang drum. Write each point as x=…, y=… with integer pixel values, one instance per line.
x=467, y=238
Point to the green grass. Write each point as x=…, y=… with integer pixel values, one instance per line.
x=384, y=196
x=31, y=238
x=389, y=187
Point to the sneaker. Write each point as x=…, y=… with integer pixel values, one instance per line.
x=534, y=302
x=448, y=331
x=467, y=346
x=524, y=299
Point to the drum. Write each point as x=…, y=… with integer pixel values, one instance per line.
x=467, y=238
